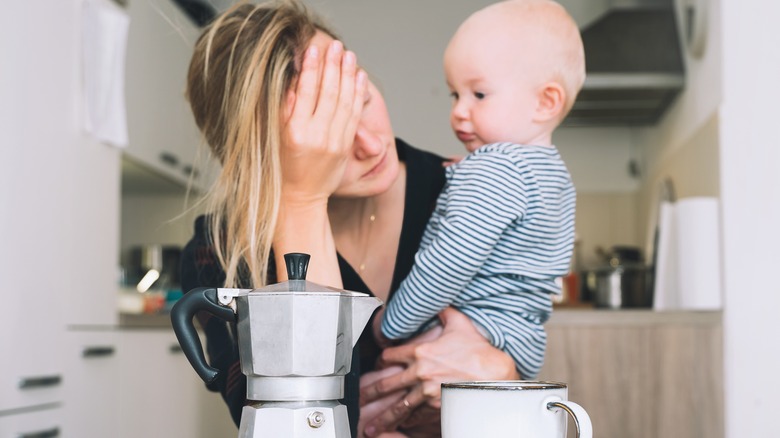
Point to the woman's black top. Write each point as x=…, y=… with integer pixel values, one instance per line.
x=200, y=268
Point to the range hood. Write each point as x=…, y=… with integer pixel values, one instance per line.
x=634, y=64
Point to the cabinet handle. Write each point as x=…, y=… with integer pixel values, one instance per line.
x=48, y=433
x=188, y=170
x=175, y=349
x=101, y=351
x=39, y=382
x=169, y=159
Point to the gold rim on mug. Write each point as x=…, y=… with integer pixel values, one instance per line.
x=506, y=385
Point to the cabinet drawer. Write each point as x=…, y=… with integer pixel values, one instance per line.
x=20, y=389
x=34, y=424
x=158, y=385
x=92, y=388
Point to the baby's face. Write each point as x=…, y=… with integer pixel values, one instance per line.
x=505, y=66
x=494, y=94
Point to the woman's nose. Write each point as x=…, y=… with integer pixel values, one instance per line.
x=367, y=144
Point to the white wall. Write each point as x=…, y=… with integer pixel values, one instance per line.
x=598, y=158
x=750, y=193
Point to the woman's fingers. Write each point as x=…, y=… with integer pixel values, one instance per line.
x=356, y=107
x=405, y=355
x=361, y=89
x=376, y=409
x=425, y=421
x=387, y=385
x=342, y=113
x=307, y=90
x=399, y=412
x=331, y=84
x=321, y=121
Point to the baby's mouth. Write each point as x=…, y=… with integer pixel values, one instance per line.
x=464, y=136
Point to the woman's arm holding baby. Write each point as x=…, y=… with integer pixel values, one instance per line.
x=459, y=353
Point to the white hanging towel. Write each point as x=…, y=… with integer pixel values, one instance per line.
x=104, y=45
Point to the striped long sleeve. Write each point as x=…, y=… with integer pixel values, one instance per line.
x=501, y=235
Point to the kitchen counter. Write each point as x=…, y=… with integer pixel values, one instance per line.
x=561, y=317
x=591, y=317
x=145, y=321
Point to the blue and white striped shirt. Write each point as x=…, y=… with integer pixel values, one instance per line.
x=500, y=237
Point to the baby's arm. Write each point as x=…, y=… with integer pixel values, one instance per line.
x=480, y=206
x=517, y=332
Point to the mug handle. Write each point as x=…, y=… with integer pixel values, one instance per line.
x=578, y=414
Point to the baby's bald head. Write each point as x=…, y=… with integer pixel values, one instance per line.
x=536, y=35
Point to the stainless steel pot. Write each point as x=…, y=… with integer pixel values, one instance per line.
x=622, y=286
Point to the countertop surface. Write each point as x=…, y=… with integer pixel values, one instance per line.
x=561, y=316
x=143, y=320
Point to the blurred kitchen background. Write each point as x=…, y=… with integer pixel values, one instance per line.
x=665, y=323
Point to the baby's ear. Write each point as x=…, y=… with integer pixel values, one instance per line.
x=551, y=102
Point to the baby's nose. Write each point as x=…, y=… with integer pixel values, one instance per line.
x=460, y=110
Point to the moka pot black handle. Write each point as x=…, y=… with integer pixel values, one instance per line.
x=198, y=299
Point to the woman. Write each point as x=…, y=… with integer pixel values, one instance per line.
x=310, y=164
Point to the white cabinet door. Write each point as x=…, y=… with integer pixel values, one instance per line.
x=31, y=368
x=35, y=134
x=92, y=384
x=161, y=128
x=45, y=423
x=160, y=393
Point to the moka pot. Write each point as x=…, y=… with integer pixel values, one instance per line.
x=295, y=342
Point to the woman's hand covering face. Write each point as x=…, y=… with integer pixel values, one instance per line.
x=323, y=112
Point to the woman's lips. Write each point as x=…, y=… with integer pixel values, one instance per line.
x=377, y=168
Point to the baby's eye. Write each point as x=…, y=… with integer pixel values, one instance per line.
x=479, y=95
x=454, y=95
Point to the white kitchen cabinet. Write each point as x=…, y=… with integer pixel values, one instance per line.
x=31, y=375
x=31, y=370
x=43, y=423
x=35, y=139
x=160, y=393
x=92, y=383
x=161, y=128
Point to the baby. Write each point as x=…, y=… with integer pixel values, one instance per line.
x=503, y=229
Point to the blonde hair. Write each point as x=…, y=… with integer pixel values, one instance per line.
x=243, y=65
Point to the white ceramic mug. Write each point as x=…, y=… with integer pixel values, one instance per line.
x=509, y=409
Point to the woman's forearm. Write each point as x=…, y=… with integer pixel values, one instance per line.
x=306, y=229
